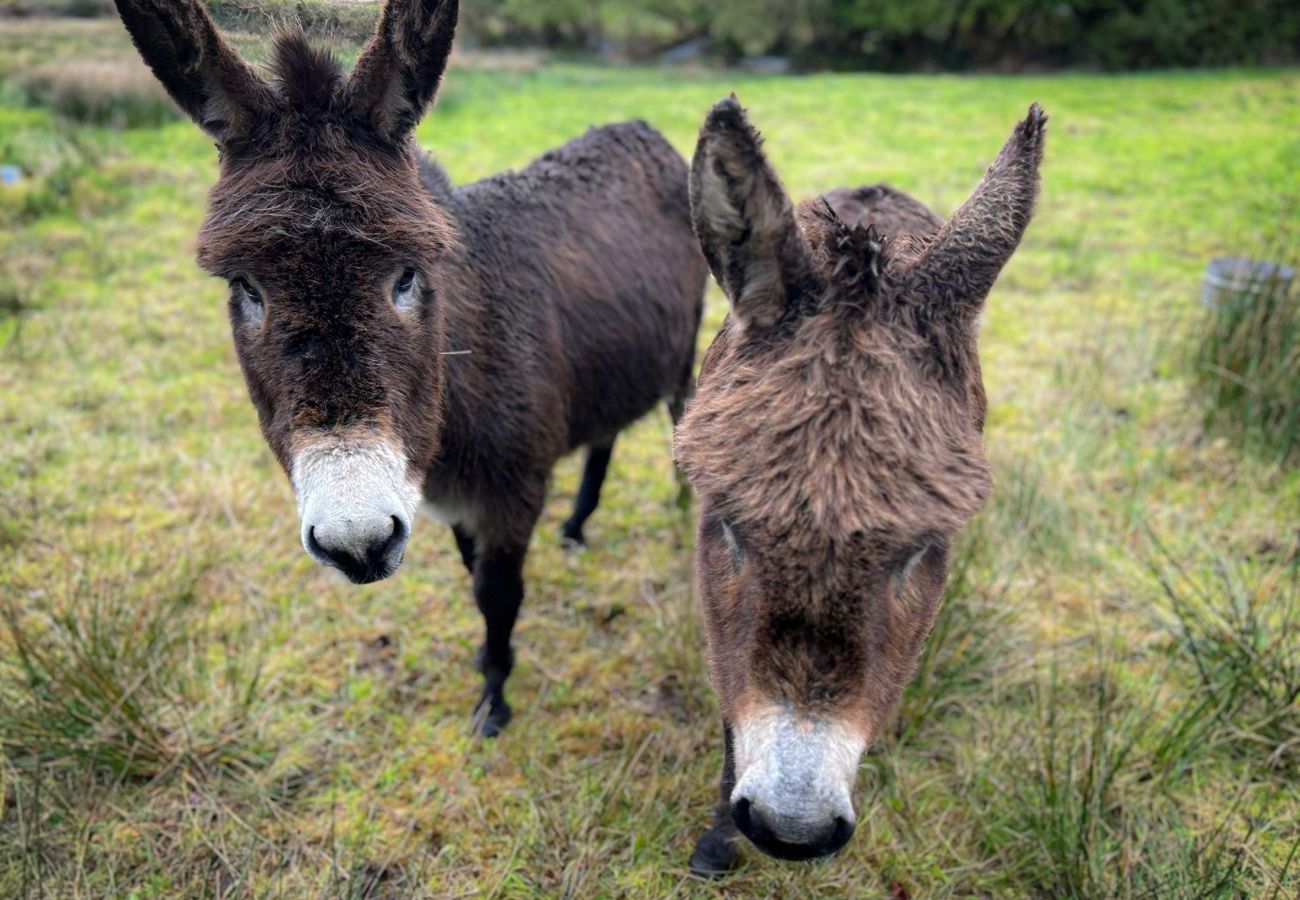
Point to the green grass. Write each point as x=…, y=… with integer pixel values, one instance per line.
x=191, y=708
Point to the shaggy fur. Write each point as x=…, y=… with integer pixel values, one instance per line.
x=835, y=439
x=558, y=304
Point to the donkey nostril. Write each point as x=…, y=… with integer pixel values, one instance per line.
x=840, y=834
x=320, y=551
x=740, y=814
x=314, y=545
x=398, y=535
x=391, y=546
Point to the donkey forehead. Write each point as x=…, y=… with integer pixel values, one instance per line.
x=297, y=216
x=831, y=440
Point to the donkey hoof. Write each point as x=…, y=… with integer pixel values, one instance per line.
x=715, y=855
x=571, y=537
x=491, y=716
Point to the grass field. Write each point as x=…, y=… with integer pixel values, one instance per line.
x=1110, y=704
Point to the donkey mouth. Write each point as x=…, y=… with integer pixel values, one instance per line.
x=806, y=846
x=369, y=573
x=363, y=565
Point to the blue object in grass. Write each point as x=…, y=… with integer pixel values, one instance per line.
x=1237, y=280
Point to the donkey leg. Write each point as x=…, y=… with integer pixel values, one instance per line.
x=499, y=591
x=593, y=476
x=465, y=544
x=716, y=852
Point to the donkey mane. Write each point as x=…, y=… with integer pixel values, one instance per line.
x=855, y=257
x=308, y=78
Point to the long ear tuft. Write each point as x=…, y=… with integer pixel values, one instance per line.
x=744, y=219
x=206, y=77
x=958, y=268
x=397, y=74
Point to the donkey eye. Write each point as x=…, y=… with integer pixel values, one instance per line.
x=247, y=299
x=404, y=291
x=246, y=291
x=908, y=567
x=733, y=542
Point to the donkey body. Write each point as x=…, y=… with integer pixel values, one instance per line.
x=402, y=338
x=835, y=442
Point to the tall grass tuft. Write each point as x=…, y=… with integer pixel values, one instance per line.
x=123, y=676
x=1087, y=812
x=1246, y=360
x=1236, y=626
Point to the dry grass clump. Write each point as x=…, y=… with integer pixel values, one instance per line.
x=121, y=92
x=118, y=674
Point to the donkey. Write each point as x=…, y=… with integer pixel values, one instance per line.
x=835, y=444
x=403, y=337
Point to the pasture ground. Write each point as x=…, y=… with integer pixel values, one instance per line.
x=188, y=707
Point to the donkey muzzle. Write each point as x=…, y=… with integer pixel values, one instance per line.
x=795, y=776
x=355, y=504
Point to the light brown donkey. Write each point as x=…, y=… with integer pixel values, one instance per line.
x=836, y=445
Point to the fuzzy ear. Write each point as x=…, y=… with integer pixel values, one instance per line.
x=397, y=73
x=206, y=77
x=744, y=219
x=958, y=268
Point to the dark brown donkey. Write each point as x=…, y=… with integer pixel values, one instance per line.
x=835, y=443
x=400, y=336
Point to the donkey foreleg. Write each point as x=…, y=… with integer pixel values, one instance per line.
x=498, y=591
x=716, y=852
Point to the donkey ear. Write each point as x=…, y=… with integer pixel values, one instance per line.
x=398, y=72
x=958, y=268
x=744, y=218
x=206, y=77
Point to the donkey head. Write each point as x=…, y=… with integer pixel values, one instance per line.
x=333, y=253
x=835, y=442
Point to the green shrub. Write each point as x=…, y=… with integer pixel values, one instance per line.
x=885, y=34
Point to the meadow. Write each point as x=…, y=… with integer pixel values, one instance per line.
x=1109, y=705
